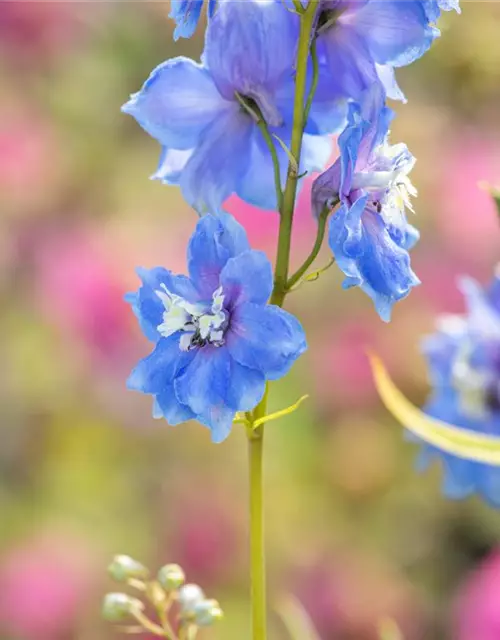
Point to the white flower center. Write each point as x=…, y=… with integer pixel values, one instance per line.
x=470, y=384
x=199, y=323
x=387, y=179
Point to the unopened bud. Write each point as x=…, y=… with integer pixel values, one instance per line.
x=190, y=595
x=124, y=568
x=117, y=607
x=171, y=577
x=207, y=612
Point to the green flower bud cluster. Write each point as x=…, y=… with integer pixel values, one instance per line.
x=181, y=608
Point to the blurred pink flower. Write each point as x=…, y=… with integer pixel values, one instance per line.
x=26, y=142
x=466, y=213
x=262, y=226
x=44, y=583
x=80, y=292
x=206, y=537
x=37, y=28
x=343, y=375
x=348, y=595
x=476, y=610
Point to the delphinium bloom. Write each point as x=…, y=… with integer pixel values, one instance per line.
x=216, y=339
x=186, y=14
x=369, y=235
x=358, y=38
x=194, y=112
x=464, y=364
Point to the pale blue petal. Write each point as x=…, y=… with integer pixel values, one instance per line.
x=171, y=164
x=316, y=151
x=250, y=46
x=258, y=186
x=351, y=66
x=387, y=77
x=267, y=339
x=396, y=32
x=214, y=242
x=247, y=278
x=177, y=102
x=219, y=163
x=366, y=252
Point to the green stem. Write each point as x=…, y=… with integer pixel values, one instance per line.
x=257, y=550
x=323, y=218
x=254, y=111
x=315, y=79
x=256, y=436
x=299, y=121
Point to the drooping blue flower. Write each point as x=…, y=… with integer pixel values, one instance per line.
x=369, y=235
x=357, y=36
x=250, y=49
x=464, y=365
x=186, y=14
x=217, y=340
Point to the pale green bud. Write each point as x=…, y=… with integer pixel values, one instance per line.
x=207, y=612
x=171, y=577
x=190, y=595
x=117, y=607
x=124, y=568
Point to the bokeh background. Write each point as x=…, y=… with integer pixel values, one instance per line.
x=352, y=530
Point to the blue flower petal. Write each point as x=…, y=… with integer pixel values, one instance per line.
x=171, y=409
x=258, y=186
x=219, y=163
x=214, y=242
x=267, y=339
x=433, y=8
x=249, y=47
x=325, y=187
x=214, y=387
x=247, y=278
x=186, y=14
x=370, y=258
x=154, y=373
x=350, y=64
x=171, y=164
x=146, y=304
x=177, y=102
x=396, y=32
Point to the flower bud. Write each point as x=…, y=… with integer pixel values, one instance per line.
x=207, y=612
x=124, y=568
x=171, y=577
x=190, y=595
x=117, y=607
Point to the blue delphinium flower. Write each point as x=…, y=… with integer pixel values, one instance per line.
x=369, y=235
x=216, y=339
x=464, y=365
x=356, y=36
x=186, y=14
x=250, y=49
